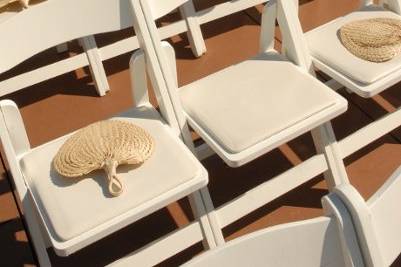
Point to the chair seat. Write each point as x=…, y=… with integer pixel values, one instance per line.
x=263, y=99
x=71, y=207
x=326, y=47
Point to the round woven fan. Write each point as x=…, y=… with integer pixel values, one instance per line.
x=104, y=145
x=376, y=40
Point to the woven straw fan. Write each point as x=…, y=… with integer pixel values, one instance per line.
x=376, y=40
x=3, y=3
x=104, y=145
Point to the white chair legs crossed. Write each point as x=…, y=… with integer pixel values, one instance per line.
x=250, y=108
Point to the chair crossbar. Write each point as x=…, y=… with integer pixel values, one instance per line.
x=119, y=48
x=163, y=248
x=271, y=190
x=370, y=133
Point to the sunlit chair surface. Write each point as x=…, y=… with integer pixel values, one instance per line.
x=354, y=232
x=323, y=241
x=364, y=78
x=250, y=108
x=42, y=14
x=377, y=220
x=69, y=214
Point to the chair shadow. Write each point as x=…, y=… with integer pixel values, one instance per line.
x=15, y=251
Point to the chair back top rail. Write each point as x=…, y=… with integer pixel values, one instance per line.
x=315, y=242
x=56, y=21
x=159, y=64
x=386, y=215
x=377, y=220
x=159, y=8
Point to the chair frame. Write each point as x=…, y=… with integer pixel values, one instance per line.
x=15, y=144
x=94, y=56
x=326, y=161
x=379, y=127
x=363, y=214
x=334, y=210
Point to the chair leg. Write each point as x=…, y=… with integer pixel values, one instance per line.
x=95, y=64
x=213, y=218
x=195, y=36
x=326, y=143
x=36, y=235
x=206, y=200
x=201, y=215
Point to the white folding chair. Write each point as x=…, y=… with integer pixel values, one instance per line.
x=65, y=214
x=248, y=109
x=377, y=221
x=328, y=240
x=38, y=15
x=354, y=232
x=359, y=76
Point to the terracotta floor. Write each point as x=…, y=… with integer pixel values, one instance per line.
x=69, y=102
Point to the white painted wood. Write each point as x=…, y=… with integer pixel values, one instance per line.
x=268, y=24
x=326, y=144
x=163, y=248
x=204, y=151
x=322, y=241
x=195, y=36
x=16, y=147
x=270, y=190
x=380, y=127
x=333, y=84
x=95, y=64
x=201, y=214
x=160, y=8
x=125, y=45
x=109, y=16
x=393, y=5
x=363, y=224
x=138, y=79
x=161, y=69
x=370, y=133
x=294, y=43
x=61, y=48
x=15, y=142
x=224, y=9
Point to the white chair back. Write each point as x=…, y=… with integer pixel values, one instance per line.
x=323, y=241
x=159, y=8
x=377, y=220
x=57, y=21
x=162, y=74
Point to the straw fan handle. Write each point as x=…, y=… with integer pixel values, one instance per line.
x=115, y=184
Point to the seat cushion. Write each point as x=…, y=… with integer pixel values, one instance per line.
x=72, y=206
x=325, y=45
x=253, y=100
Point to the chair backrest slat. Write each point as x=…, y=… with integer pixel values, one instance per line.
x=377, y=221
x=386, y=217
x=56, y=21
x=324, y=241
x=160, y=71
x=159, y=8
x=307, y=243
